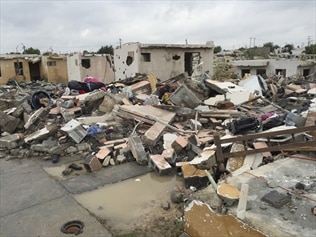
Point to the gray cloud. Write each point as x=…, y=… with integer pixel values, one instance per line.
x=69, y=26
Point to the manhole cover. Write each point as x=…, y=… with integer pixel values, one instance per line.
x=72, y=227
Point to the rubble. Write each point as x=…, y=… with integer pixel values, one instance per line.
x=234, y=128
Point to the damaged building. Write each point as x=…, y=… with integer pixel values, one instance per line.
x=164, y=60
x=242, y=151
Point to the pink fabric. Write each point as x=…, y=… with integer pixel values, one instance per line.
x=91, y=79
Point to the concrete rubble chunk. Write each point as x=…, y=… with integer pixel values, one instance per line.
x=8, y=123
x=205, y=160
x=276, y=198
x=137, y=149
x=11, y=141
x=42, y=134
x=194, y=177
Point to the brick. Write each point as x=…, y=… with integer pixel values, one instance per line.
x=160, y=165
x=179, y=144
x=103, y=152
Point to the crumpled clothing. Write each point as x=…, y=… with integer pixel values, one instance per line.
x=93, y=130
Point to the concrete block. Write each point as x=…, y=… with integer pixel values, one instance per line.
x=276, y=199
x=168, y=139
x=106, y=161
x=160, y=165
x=194, y=124
x=194, y=177
x=83, y=147
x=206, y=160
x=71, y=150
x=38, y=147
x=74, y=130
x=92, y=163
x=169, y=155
x=179, y=144
x=137, y=149
x=11, y=141
x=120, y=159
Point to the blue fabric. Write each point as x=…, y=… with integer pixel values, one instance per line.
x=93, y=130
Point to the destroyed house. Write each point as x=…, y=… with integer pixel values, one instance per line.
x=164, y=60
x=81, y=65
x=23, y=67
x=283, y=67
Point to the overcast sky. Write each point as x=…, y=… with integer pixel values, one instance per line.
x=69, y=26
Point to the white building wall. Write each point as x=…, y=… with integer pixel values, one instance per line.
x=73, y=67
x=163, y=62
x=99, y=67
x=122, y=70
x=164, y=65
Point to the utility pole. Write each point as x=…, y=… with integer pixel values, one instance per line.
x=309, y=40
x=120, y=42
x=250, y=42
x=254, y=42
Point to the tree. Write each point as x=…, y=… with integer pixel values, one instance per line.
x=311, y=49
x=106, y=50
x=217, y=49
x=269, y=45
x=31, y=51
x=288, y=48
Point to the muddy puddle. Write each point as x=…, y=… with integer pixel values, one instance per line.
x=124, y=203
x=57, y=171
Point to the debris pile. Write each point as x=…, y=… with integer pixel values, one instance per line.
x=175, y=126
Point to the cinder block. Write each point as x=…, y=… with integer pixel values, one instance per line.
x=160, y=165
x=169, y=155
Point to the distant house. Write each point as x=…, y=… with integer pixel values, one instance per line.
x=55, y=68
x=100, y=66
x=23, y=67
x=164, y=60
x=20, y=67
x=281, y=66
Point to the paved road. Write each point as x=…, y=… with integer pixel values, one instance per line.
x=34, y=204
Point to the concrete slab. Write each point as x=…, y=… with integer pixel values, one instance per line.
x=292, y=219
x=46, y=219
x=25, y=186
x=34, y=204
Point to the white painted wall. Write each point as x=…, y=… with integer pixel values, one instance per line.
x=73, y=67
x=99, y=68
x=161, y=62
x=122, y=70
